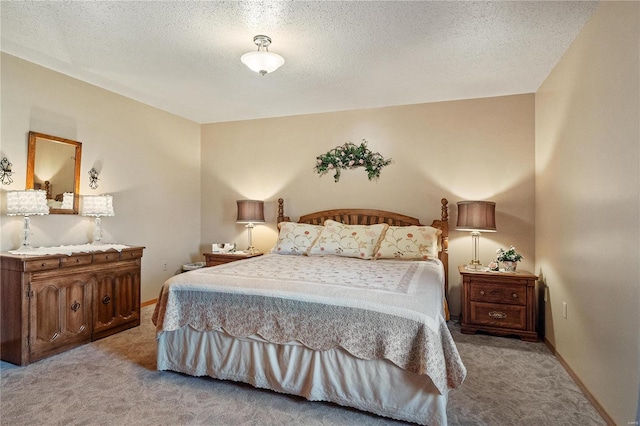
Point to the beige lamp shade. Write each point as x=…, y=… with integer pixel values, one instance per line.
x=476, y=216
x=250, y=211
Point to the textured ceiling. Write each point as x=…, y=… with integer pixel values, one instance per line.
x=184, y=57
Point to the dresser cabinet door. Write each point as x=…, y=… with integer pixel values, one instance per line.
x=116, y=302
x=60, y=314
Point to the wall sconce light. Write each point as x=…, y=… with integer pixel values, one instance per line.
x=27, y=203
x=476, y=216
x=250, y=212
x=5, y=171
x=93, y=178
x=262, y=61
x=97, y=206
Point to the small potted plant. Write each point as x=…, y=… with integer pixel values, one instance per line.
x=509, y=258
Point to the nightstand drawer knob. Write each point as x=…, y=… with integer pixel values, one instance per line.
x=497, y=315
x=482, y=293
x=514, y=295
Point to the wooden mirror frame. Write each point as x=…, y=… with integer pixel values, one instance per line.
x=31, y=165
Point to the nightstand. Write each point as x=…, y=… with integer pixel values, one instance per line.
x=501, y=303
x=215, y=259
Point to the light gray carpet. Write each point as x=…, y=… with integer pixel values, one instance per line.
x=114, y=382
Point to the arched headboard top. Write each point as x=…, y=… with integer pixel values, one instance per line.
x=366, y=217
x=359, y=217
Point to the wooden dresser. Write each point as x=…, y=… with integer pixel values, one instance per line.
x=501, y=303
x=52, y=303
x=215, y=259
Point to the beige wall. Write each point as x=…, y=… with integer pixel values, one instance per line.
x=461, y=150
x=149, y=162
x=588, y=205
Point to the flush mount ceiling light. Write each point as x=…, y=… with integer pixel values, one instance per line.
x=262, y=61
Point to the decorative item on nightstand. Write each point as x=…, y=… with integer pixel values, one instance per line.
x=250, y=212
x=27, y=203
x=509, y=258
x=476, y=216
x=97, y=206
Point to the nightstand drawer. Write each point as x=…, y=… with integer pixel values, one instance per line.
x=215, y=259
x=504, y=293
x=216, y=263
x=508, y=316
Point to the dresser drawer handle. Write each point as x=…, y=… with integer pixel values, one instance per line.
x=481, y=292
x=497, y=315
x=43, y=264
x=106, y=300
x=514, y=295
x=75, y=306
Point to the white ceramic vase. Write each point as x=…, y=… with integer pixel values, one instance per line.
x=509, y=266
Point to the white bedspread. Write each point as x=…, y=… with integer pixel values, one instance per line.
x=373, y=309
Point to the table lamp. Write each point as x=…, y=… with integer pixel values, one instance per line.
x=97, y=206
x=250, y=212
x=27, y=203
x=477, y=217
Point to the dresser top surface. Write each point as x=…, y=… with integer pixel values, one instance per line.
x=83, y=251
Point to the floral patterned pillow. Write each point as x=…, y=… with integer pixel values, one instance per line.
x=296, y=238
x=360, y=241
x=410, y=243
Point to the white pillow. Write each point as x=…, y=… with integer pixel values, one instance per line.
x=295, y=238
x=339, y=239
x=410, y=243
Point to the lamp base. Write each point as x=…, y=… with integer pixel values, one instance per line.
x=474, y=266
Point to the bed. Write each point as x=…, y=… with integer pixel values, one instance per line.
x=347, y=320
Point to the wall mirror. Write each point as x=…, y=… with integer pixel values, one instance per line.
x=53, y=165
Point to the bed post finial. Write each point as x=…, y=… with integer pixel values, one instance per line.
x=445, y=210
x=281, y=216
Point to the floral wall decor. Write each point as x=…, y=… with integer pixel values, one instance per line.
x=350, y=156
x=93, y=178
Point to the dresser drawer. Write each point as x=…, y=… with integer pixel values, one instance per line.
x=504, y=293
x=131, y=254
x=75, y=260
x=109, y=256
x=507, y=316
x=42, y=264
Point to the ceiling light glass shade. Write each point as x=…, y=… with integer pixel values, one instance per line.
x=27, y=203
x=97, y=205
x=262, y=62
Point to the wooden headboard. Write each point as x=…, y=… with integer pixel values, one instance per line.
x=370, y=217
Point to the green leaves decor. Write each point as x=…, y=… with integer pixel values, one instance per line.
x=350, y=156
x=510, y=255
